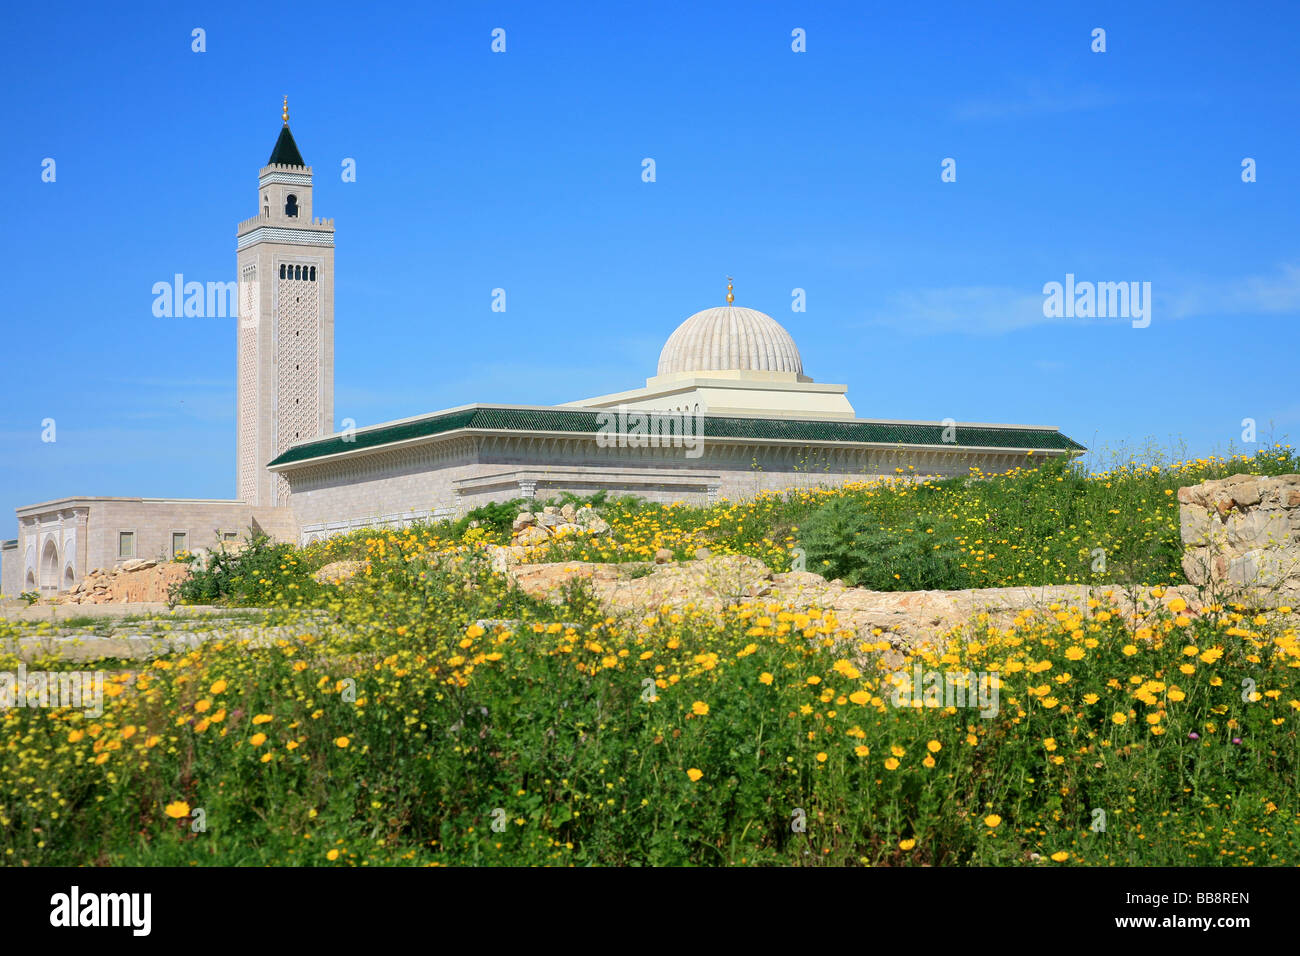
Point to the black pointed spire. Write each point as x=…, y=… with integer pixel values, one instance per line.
x=286, y=150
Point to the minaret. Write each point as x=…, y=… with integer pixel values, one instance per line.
x=286, y=323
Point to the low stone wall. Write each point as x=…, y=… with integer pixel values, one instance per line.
x=131, y=582
x=1242, y=531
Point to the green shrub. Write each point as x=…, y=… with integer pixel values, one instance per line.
x=843, y=539
x=495, y=516
x=262, y=574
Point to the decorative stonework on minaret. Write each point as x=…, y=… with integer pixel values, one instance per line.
x=286, y=322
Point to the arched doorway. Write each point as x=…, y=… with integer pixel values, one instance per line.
x=50, y=566
x=69, y=579
x=30, y=583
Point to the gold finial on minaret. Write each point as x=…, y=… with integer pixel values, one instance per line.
x=286, y=111
x=730, y=297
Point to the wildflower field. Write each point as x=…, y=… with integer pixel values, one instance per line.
x=1043, y=523
x=385, y=725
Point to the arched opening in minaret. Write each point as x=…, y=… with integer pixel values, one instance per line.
x=291, y=206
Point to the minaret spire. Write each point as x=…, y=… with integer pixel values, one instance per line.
x=730, y=296
x=286, y=150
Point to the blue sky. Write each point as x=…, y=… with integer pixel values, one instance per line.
x=817, y=170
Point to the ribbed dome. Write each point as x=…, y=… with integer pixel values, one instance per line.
x=730, y=337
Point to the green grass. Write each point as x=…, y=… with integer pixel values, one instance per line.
x=403, y=734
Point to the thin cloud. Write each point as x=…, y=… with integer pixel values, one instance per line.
x=1252, y=295
x=993, y=310
x=1036, y=100
x=986, y=309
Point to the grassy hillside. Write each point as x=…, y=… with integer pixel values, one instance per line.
x=1044, y=523
x=392, y=728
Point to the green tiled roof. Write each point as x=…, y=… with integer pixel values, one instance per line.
x=584, y=421
x=286, y=150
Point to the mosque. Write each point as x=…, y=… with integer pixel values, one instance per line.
x=729, y=413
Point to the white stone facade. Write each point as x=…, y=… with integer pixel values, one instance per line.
x=735, y=370
x=285, y=365
x=448, y=474
x=60, y=541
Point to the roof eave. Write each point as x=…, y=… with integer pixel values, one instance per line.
x=278, y=466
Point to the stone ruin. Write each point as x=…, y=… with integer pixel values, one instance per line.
x=1242, y=532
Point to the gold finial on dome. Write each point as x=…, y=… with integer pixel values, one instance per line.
x=730, y=297
x=286, y=111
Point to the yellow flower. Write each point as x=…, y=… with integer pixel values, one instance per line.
x=1049, y=743
x=1129, y=650
x=992, y=821
x=332, y=855
x=1060, y=856
x=846, y=669
x=699, y=708
x=891, y=763
x=862, y=750
x=1177, y=604
x=1074, y=653
x=821, y=757
x=694, y=774
x=1090, y=698
x=217, y=687
x=257, y=739
x=202, y=705
x=262, y=719
x=906, y=844
x=934, y=746
x=860, y=697
x=475, y=631
x=1119, y=717
x=177, y=810
x=765, y=678
x=342, y=742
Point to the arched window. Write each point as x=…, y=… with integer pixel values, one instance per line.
x=281, y=270
x=291, y=205
x=313, y=273
x=297, y=272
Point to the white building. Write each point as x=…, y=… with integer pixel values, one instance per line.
x=730, y=412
